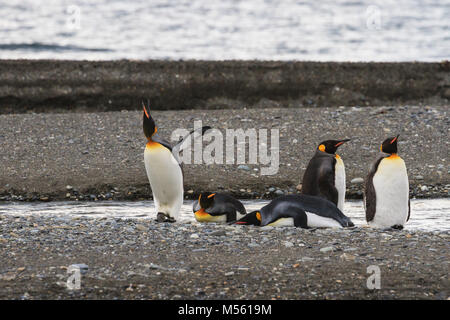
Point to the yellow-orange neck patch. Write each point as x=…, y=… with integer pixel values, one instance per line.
x=152, y=144
x=393, y=156
x=201, y=212
x=337, y=156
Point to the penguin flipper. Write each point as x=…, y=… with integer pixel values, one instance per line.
x=326, y=186
x=370, y=194
x=300, y=218
x=409, y=210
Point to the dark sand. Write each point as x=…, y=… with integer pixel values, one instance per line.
x=49, y=86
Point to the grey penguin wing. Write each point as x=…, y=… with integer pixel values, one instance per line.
x=370, y=194
x=161, y=141
x=166, y=144
x=285, y=210
x=326, y=184
x=409, y=210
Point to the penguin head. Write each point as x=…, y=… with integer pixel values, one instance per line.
x=206, y=199
x=330, y=146
x=148, y=122
x=252, y=218
x=390, y=145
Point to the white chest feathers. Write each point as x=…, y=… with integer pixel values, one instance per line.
x=392, y=192
x=339, y=182
x=165, y=177
x=313, y=221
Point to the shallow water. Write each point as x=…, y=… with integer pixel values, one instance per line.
x=326, y=30
x=426, y=214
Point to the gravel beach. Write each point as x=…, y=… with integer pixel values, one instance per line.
x=97, y=156
x=142, y=259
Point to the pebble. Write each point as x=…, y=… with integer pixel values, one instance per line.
x=141, y=227
x=279, y=192
x=288, y=244
x=326, y=249
x=347, y=257
x=83, y=267
x=357, y=180
x=424, y=188
x=194, y=236
x=218, y=233
x=243, y=167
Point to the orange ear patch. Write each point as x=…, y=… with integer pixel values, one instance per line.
x=322, y=147
x=258, y=216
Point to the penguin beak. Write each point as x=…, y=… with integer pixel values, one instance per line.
x=393, y=140
x=148, y=123
x=146, y=112
x=341, y=142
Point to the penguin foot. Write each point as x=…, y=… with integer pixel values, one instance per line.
x=397, y=227
x=163, y=217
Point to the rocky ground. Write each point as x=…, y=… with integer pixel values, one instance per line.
x=142, y=259
x=95, y=156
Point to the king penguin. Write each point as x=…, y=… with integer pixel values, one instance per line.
x=163, y=171
x=386, y=195
x=298, y=210
x=325, y=174
x=217, y=207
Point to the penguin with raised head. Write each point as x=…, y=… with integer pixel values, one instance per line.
x=386, y=194
x=163, y=171
x=325, y=174
x=298, y=210
x=217, y=207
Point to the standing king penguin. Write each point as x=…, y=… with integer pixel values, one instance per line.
x=163, y=171
x=386, y=196
x=325, y=174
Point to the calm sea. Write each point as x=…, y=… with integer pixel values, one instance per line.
x=325, y=30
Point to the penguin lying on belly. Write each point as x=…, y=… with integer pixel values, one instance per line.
x=300, y=210
x=325, y=174
x=217, y=207
x=386, y=194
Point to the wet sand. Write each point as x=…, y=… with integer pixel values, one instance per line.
x=65, y=86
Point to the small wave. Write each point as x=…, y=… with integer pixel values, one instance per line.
x=38, y=46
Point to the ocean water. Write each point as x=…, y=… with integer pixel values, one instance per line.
x=326, y=30
x=431, y=215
